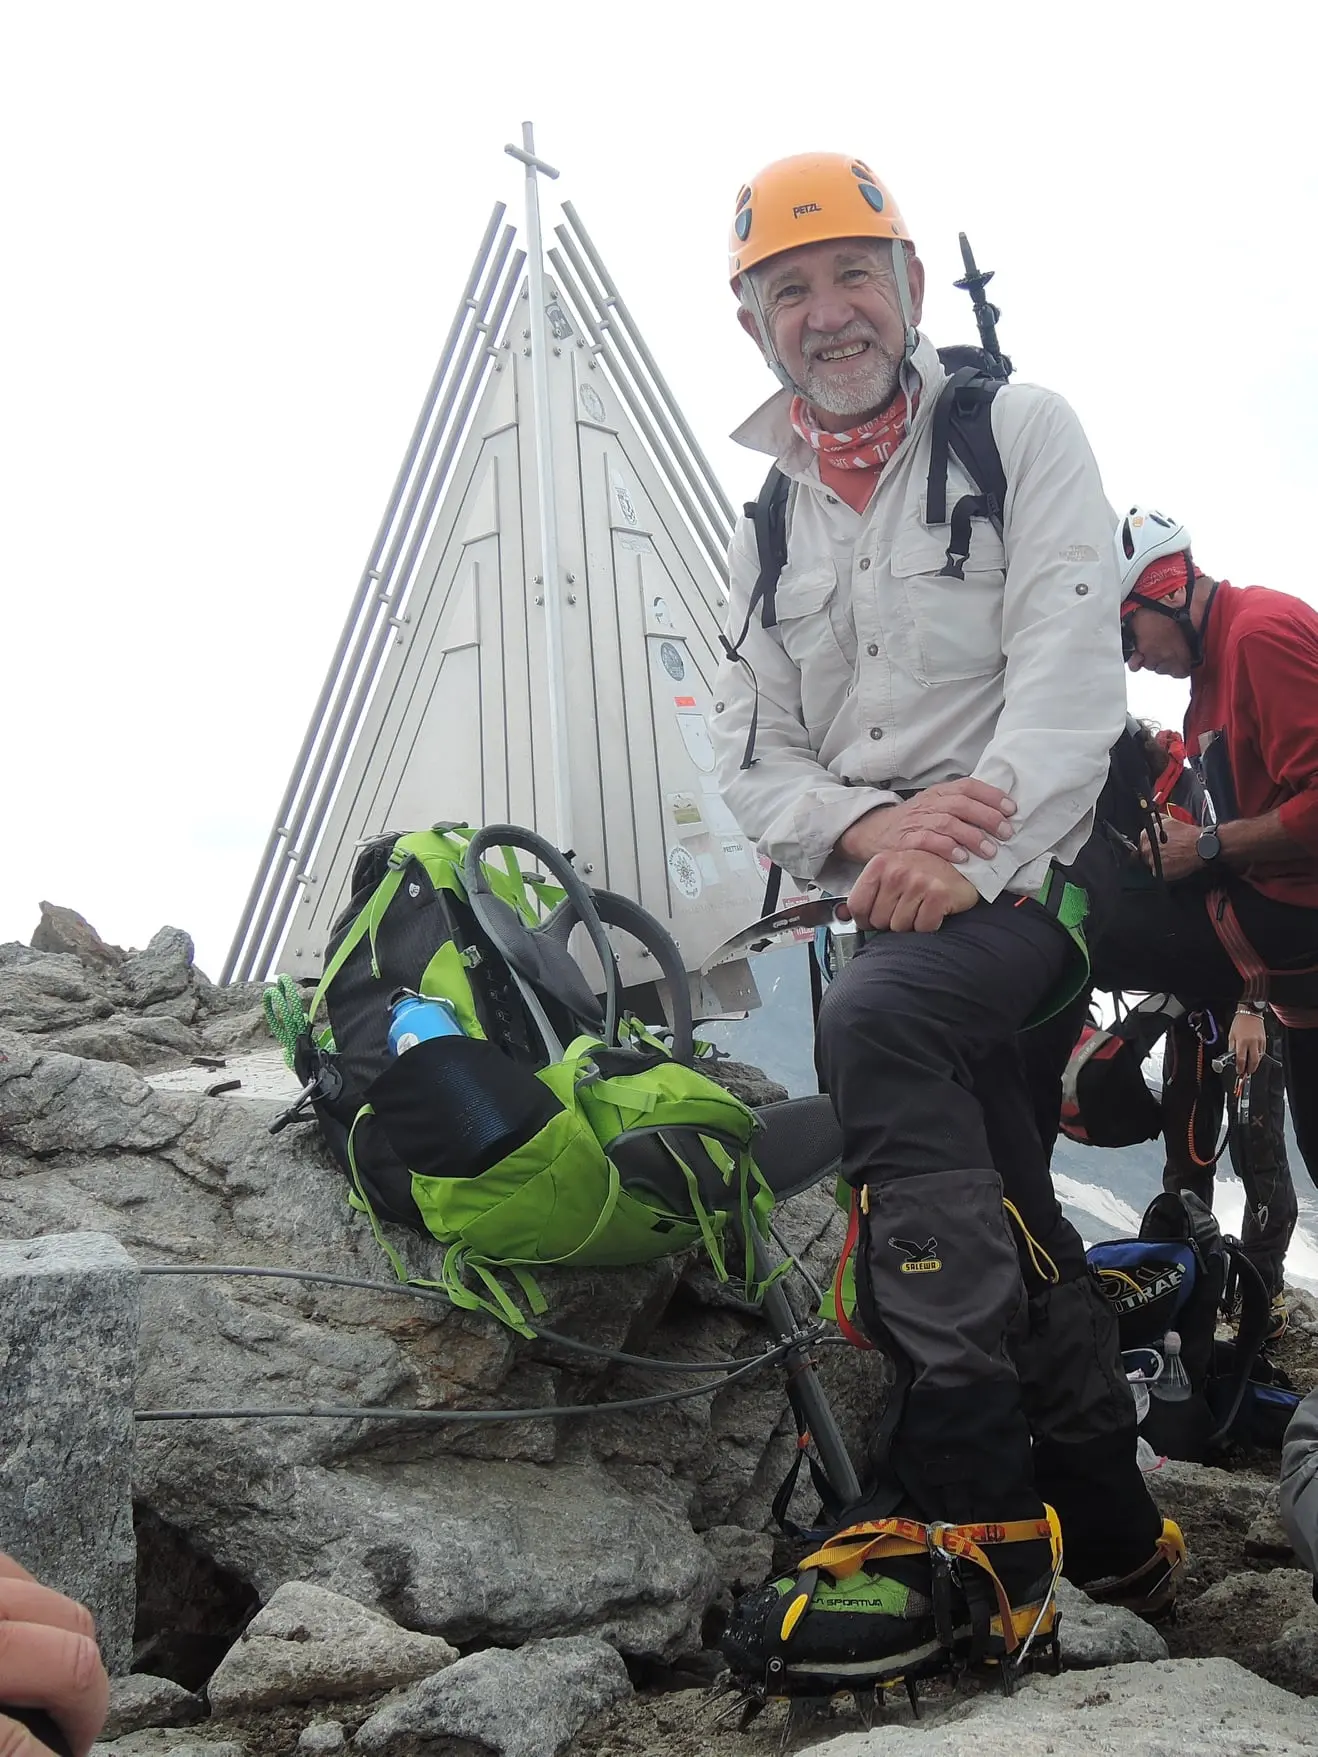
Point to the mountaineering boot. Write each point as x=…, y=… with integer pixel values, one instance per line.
x=899, y=1598
x=1150, y=1590
x=1279, y=1319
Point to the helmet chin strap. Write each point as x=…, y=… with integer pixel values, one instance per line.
x=1180, y=613
x=907, y=376
x=750, y=298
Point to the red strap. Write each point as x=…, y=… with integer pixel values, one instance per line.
x=844, y=1323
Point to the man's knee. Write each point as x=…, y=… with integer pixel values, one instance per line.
x=864, y=1013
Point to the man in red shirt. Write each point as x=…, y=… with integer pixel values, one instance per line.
x=1238, y=916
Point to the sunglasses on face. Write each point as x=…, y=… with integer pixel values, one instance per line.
x=1128, y=641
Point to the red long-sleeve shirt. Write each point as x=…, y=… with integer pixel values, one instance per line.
x=1258, y=686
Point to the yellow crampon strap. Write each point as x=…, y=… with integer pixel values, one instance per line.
x=877, y=1540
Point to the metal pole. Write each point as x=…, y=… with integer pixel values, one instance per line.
x=384, y=601
x=544, y=460
x=364, y=588
x=827, y=1436
x=682, y=470
x=676, y=475
x=616, y=300
x=370, y=671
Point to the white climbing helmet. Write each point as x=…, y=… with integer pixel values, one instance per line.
x=1145, y=535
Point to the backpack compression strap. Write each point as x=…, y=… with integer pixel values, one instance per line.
x=963, y=424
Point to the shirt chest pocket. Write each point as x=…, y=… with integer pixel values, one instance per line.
x=818, y=636
x=957, y=623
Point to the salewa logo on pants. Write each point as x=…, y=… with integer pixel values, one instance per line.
x=920, y=1259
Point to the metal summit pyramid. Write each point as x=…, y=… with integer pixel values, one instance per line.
x=535, y=633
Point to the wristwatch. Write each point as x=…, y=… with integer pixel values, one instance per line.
x=1209, y=846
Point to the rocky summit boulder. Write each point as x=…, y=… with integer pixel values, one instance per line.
x=475, y=1531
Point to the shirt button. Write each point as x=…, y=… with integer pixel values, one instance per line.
x=718, y=707
x=1081, y=590
x=872, y=649
x=864, y=562
x=832, y=500
x=876, y=732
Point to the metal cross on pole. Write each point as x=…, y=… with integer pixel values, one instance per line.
x=544, y=455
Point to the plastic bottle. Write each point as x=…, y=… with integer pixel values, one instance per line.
x=415, y=1018
x=1173, y=1384
x=1146, y=1457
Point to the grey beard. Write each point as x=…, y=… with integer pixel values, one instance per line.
x=865, y=393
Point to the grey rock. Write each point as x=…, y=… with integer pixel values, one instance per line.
x=138, y=1701
x=206, y=1748
x=235, y=997
x=1097, y=1634
x=162, y=971
x=527, y=1703
x=322, y=1738
x=64, y=930
x=422, y=1521
x=1267, y=1538
x=47, y=991
x=1303, y=1308
x=308, y=1643
x=752, y=1085
x=102, y=1041
x=1292, y=1659
x=68, y=1332
x=137, y=1040
x=1268, y=1621
x=474, y=1550
x=1209, y=1707
x=1198, y=1494
x=743, y=1558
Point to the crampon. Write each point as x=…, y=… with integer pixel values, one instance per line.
x=894, y=1601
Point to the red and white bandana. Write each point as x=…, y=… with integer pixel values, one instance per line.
x=867, y=447
x=1159, y=580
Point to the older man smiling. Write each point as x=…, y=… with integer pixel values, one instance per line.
x=932, y=734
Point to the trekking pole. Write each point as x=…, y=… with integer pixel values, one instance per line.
x=818, y=1412
x=974, y=282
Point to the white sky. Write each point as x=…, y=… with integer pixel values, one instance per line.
x=235, y=235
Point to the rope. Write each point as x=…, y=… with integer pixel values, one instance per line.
x=412, y=1291
x=285, y=1015
x=553, y=1412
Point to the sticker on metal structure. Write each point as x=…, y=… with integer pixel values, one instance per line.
x=592, y=402
x=559, y=326
x=624, y=499
x=674, y=664
x=685, y=808
x=685, y=873
x=695, y=736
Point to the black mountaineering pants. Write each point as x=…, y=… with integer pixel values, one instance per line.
x=997, y=1330
x=1193, y=1098
x=1160, y=937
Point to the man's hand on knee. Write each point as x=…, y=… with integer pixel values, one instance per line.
x=953, y=819
x=909, y=892
x=48, y=1660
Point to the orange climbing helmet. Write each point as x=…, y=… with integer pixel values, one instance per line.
x=806, y=200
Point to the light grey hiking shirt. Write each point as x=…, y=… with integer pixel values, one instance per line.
x=881, y=675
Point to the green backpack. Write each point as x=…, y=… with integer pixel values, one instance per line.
x=556, y=1130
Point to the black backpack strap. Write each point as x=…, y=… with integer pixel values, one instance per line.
x=768, y=514
x=1251, y=1334
x=963, y=427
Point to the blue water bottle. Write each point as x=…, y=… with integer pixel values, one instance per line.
x=416, y=1018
